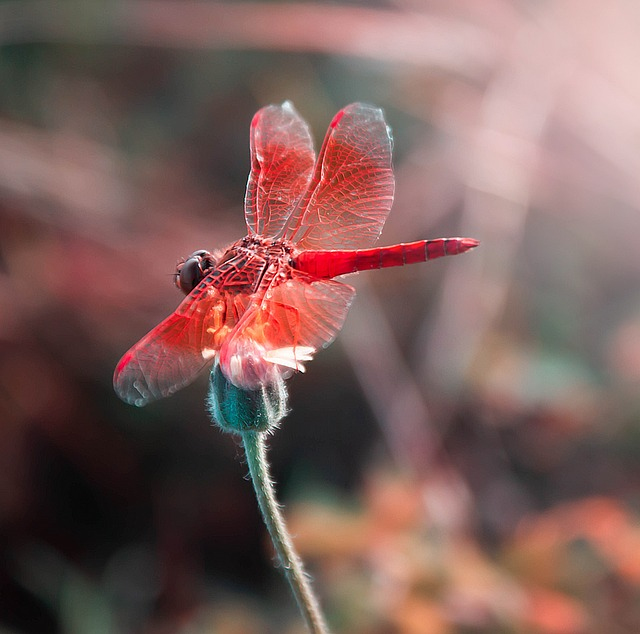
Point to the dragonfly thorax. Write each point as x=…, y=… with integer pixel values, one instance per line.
x=268, y=248
x=255, y=249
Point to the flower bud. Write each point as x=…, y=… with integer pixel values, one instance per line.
x=239, y=410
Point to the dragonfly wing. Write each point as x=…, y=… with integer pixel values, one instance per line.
x=293, y=320
x=174, y=352
x=282, y=159
x=351, y=191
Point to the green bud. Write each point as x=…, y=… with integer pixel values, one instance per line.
x=239, y=410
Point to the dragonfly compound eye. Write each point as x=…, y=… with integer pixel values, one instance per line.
x=190, y=272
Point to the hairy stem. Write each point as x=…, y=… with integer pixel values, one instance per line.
x=256, y=452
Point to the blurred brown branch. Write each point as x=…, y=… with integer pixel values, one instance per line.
x=388, y=36
x=79, y=177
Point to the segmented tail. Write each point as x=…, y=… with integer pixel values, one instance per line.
x=331, y=263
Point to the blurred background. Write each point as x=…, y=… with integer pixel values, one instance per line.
x=465, y=458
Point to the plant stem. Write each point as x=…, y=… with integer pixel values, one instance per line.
x=256, y=452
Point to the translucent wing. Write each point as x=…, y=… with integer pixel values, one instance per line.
x=282, y=159
x=283, y=330
x=175, y=351
x=351, y=191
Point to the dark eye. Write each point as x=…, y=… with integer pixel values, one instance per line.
x=190, y=272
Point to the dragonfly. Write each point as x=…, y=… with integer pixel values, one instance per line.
x=262, y=307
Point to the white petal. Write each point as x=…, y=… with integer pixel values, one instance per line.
x=291, y=356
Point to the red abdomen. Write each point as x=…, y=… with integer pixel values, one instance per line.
x=328, y=264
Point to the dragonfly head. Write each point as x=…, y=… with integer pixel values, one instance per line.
x=190, y=272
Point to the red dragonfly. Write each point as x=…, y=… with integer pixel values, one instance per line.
x=266, y=304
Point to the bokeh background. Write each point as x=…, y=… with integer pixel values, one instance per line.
x=465, y=458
